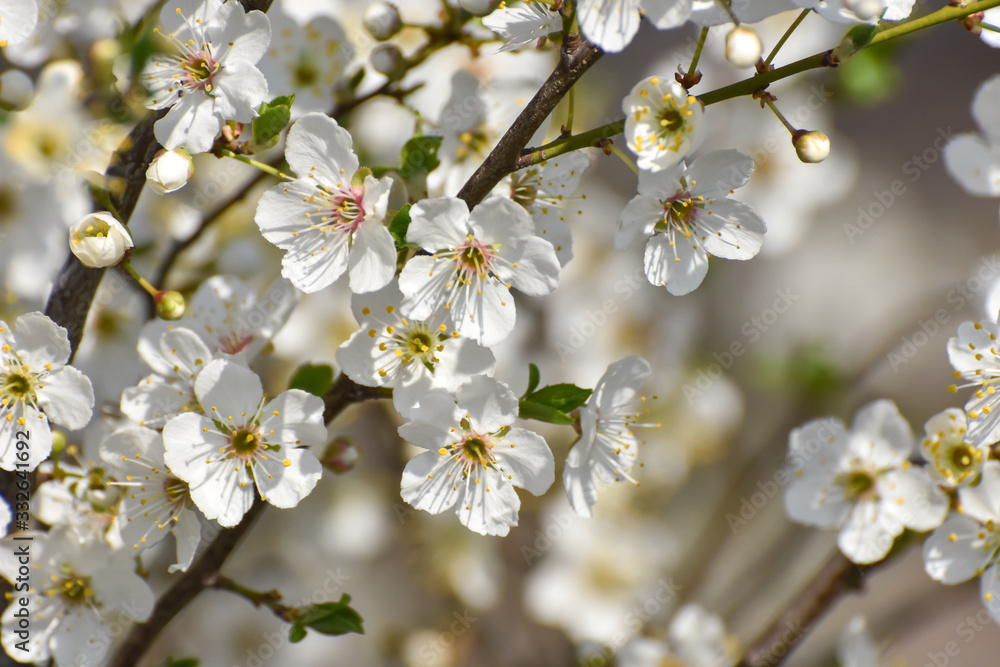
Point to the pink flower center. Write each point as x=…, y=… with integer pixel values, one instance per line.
x=199, y=70
x=348, y=209
x=473, y=257
x=234, y=343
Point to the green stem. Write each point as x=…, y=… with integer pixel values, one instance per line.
x=624, y=158
x=266, y=168
x=784, y=38
x=593, y=138
x=139, y=279
x=268, y=599
x=990, y=27
x=729, y=10
x=781, y=117
x=570, y=100
x=702, y=38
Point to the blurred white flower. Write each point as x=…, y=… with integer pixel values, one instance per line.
x=857, y=648
x=99, y=240
x=974, y=355
x=861, y=482
x=611, y=24
x=954, y=461
x=19, y=20
x=974, y=160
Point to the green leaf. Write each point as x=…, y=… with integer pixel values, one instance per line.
x=419, y=155
x=534, y=377
x=400, y=223
x=356, y=79
x=274, y=117
x=333, y=618
x=297, y=633
x=183, y=662
x=314, y=378
x=563, y=397
x=872, y=76
x=528, y=409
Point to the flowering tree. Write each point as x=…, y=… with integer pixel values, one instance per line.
x=359, y=203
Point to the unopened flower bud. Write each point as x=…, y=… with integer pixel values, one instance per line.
x=170, y=170
x=58, y=443
x=389, y=60
x=478, y=7
x=169, y=305
x=16, y=90
x=341, y=456
x=382, y=21
x=99, y=240
x=811, y=146
x=743, y=47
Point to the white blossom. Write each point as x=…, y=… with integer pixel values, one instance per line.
x=611, y=24
x=212, y=78
x=663, y=124
x=475, y=459
x=607, y=447
x=475, y=258
x=688, y=215
x=860, y=481
x=523, y=24
x=974, y=159
x=244, y=443
x=975, y=356
x=856, y=647
x=18, y=19
x=410, y=356
x=36, y=388
x=327, y=220
x=99, y=240
x=953, y=461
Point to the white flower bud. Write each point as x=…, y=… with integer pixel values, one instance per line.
x=382, y=21
x=16, y=90
x=743, y=47
x=389, y=60
x=99, y=240
x=478, y=7
x=170, y=170
x=811, y=146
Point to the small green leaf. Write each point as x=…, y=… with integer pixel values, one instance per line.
x=400, y=223
x=282, y=101
x=272, y=119
x=297, y=633
x=183, y=662
x=534, y=377
x=563, y=397
x=356, y=79
x=419, y=155
x=314, y=378
x=528, y=409
x=333, y=618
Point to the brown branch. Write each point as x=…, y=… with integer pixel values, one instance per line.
x=576, y=57
x=74, y=288
x=838, y=576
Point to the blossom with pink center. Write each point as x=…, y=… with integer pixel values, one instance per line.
x=475, y=258
x=244, y=443
x=475, y=459
x=211, y=78
x=328, y=220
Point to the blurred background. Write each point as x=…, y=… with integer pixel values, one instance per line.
x=871, y=261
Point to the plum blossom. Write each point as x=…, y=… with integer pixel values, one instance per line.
x=523, y=24
x=475, y=258
x=954, y=462
x=663, y=124
x=606, y=450
x=330, y=218
x=409, y=356
x=975, y=356
x=611, y=24
x=212, y=78
x=244, y=443
x=37, y=388
x=860, y=481
x=974, y=159
x=688, y=215
x=474, y=459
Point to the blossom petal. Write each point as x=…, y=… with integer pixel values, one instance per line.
x=955, y=551
x=731, y=229
x=527, y=460
x=610, y=24
x=67, y=397
x=681, y=267
x=373, y=258
x=318, y=146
